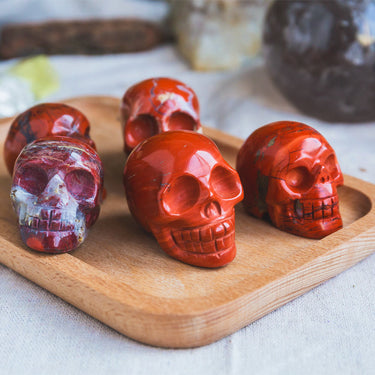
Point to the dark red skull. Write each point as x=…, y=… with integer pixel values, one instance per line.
x=43, y=120
x=157, y=105
x=56, y=193
x=180, y=188
x=290, y=172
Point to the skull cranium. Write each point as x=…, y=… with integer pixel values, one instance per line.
x=290, y=172
x=157, y=105
x=180, y=188
x=44, y=120
x=56, y=193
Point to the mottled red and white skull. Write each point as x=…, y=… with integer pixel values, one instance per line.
x=290, y=172
x=180, y=188
x=158, y=105
x=56, y=193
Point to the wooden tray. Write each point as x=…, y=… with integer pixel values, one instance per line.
x=121, y=277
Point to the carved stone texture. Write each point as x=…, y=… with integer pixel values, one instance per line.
x=56, y=193
x=321, y=55
x=157, y=105
x=290, y=173
x=180, y=188
x=43, y=120
x=217, y=34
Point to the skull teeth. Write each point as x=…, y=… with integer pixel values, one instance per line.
x=44, y=225
x=208, y=239
x=316, y=209
x=47, y=220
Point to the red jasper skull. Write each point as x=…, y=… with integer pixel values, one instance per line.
x=43, y=120
x=56, y=193
x=290, y=172
x=157, y=105
x=179, y=187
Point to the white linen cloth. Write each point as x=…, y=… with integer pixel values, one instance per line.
x=329, y=330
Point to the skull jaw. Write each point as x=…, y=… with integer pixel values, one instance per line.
x=315, y=230
x=209, y=260
x=217, y=251
x=51, y=242
x=285, y=218
x=49, y=228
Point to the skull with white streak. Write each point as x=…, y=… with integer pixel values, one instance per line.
x=155, y=106
x=56, y=193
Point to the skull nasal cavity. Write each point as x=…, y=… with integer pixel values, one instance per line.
x=323, y=175
x=212, y=210
x=55, y=193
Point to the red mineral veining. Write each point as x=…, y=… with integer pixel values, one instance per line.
x=290, y=173
x=42, y=120
x=56, y=192
x=157, y=105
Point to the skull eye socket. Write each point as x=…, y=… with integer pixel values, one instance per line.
x=331, y=166
x=80, y=184
x=299, y=179
x=181, y=121
x=140, y=129
x=33, y=179
x=181, y=195
x=225, y=183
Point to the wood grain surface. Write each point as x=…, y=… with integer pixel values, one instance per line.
x=121, y=276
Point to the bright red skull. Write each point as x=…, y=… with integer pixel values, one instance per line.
x=43, y=120
x=157, y=105
x=290, y=172
x=56, y=193
x=180, y=188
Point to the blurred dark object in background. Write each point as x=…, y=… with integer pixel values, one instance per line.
x=87, y=37
x=321, y=55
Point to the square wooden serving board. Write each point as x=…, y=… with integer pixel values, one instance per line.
x=121, y=276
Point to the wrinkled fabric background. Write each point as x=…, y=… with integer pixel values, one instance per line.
x=329, y=330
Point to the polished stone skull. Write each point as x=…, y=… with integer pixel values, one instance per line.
x=290, y=172
x=157, y=105
x=44, y=120
x=180, y=188
x=56, y=193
